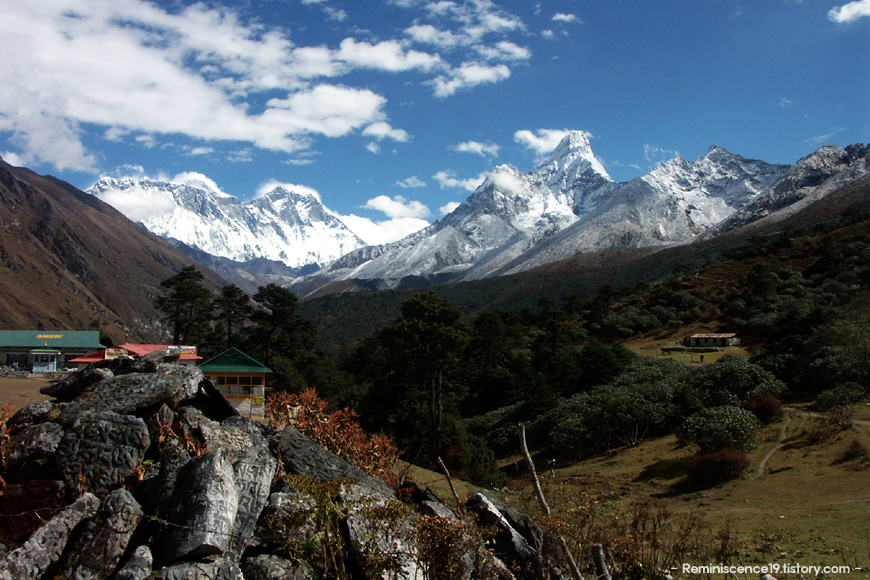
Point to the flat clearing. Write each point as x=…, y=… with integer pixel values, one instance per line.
x=21, y=393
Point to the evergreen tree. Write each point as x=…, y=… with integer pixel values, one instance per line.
x=187, y=305
x=233, y=309
x=278, y=328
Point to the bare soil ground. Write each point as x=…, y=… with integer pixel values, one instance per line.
x=22, y=392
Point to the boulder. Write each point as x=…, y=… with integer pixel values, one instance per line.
x=269, y=567
x=253, y=477
x=75, y=384
x=131, y=393
x=104, y=539
x=512, y=546
x=32, y=415
x=219, y=570
x=204, y=508
x=45, y=547
x=173, y=456
x=101, y=450
x=36, y=444
x=138, y=567
x=287, y=516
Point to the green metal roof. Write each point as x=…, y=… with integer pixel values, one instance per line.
x=232, y=361
x=89, y=339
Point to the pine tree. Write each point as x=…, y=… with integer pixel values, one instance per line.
x=187, y=305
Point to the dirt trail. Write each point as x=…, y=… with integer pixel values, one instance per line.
x=780, y=443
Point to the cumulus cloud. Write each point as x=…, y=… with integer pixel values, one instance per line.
x=469, y=75
x=398, y=207
x=449, y=207
x=509, y=182
x=375, y=232
x=382, y=130
x=483, y=149
x=447, y=180
x=850, y=12
x=388, y=55
x=411, y=182
x=139, y=204
x=567, y=18
x=542, y=141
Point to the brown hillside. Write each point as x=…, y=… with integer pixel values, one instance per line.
x=70, y=261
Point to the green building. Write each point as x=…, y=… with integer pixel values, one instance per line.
x=45, y=350
x=240, y=378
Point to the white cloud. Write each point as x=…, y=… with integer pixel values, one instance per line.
x=483, y=149
x=411, y=182
x=140, y=204
x=449, y=207
x=507, y=181
x=783, y=103
x=202, y=150
x=389, y=56
x=469, y=75
x=505, y=51
x=850, y=12
x=567, y=18
x=398, y=207
x=130, y=67
x=447, y=180
x=373, y=147
x=656, y=154
x=382, y=232
x=195, y=177
x=272, y=184
x=382, y=130
x=542, y=141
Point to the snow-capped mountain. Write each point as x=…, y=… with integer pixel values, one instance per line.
x=809, y=180
x=516, y=221
x=506, y=216
x=283, y=225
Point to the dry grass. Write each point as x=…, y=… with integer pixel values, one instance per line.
x=21, y=393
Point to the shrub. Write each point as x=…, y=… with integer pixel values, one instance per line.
x=339, y=431
x=853, y=451
x=716, y=467
x=719, y=428
x=766, y=408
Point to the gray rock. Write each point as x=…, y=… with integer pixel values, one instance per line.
x=162, y=419
x=253, y=476
x=220, y=570
x=173, y=457
x=286, y=516
x=103, y=448
x=98, y=551
x=127, y=394
x=46, y=545
x=302, y=456
x=37, y=443
x=522, y=523
x=138, y=567
x=437, y=509
x=269, y=567
x=512, y=546
x=32, y=415
x=204, y=508
x=75, y=384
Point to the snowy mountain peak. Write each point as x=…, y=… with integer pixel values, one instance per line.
x=572, y=166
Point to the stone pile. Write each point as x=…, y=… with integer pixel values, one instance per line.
x=141, y=469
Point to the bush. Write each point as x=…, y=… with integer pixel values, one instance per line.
x=853, y=451
x=719, y=428
x=766, y=408
x=716, y=467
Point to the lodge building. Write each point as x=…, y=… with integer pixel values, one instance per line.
x=45, y=350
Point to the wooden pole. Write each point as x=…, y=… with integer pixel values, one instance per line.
x=600, y=562
x=575, y=571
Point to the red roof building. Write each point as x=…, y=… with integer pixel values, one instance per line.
x=187, y=357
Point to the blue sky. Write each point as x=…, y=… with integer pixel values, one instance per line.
x=392, y=111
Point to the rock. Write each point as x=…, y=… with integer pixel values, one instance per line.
x=512, y=546
x=105, y=537
x=138, y=567
x=103, y=449
x=46, y=545
x=220, y=570
x=126, y=394
x=173, y=457
x=204, y=508
x=253, y=477
x=159, y=422
x=268, y=567
x=75, y=384
x=35, y=444
x=288, y=515
x=522, y=523
x=302, y=456
x=32, y=415
x=436, y=508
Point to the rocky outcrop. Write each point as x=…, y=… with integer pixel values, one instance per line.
x=140, y=469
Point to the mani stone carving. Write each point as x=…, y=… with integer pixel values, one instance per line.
x=46, y=545
x=205, y=503
x=102, y=448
